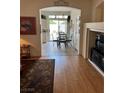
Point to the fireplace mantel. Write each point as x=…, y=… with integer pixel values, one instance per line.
x=93, y=26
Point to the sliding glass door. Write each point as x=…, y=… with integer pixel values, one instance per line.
x=57, y=26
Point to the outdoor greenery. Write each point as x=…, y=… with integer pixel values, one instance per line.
x=52, y=22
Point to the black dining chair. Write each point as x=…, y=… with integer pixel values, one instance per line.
x=62, y=38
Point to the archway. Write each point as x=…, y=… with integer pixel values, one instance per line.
x=73, y=24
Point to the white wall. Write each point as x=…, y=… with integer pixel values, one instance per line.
x=74, y=30
x=44, y=27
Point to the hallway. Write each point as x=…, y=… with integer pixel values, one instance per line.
x=74, y=75
x=51, y=49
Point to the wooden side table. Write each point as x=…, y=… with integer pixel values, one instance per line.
x=25, y=51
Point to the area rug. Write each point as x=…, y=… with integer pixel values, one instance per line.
x=37, y=76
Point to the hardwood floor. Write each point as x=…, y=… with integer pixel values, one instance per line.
x=51, y=49
x=73, y=74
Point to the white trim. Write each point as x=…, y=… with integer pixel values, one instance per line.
x=96, y=67
x=96, y=30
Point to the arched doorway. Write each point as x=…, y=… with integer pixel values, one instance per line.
x=68, y=16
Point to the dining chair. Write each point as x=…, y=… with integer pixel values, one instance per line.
x=62, y=38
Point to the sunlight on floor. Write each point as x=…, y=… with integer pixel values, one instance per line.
x=51, y=49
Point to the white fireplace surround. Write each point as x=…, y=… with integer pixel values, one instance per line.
x=94, y=26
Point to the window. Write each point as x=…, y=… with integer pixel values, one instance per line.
x=65, y=16
x=51, y=16
x=58, y=16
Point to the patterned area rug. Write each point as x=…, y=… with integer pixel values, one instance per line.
x=37, y=76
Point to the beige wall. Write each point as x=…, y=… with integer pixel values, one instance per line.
x=98, y=11
x=97, y=22
x=31, y=8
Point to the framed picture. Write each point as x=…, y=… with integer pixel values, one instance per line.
x=27, y=25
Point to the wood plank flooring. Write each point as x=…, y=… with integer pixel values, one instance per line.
x=51, y=49
x=73, y=74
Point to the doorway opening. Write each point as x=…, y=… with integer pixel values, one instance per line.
x=57, y=25
x=60, y=31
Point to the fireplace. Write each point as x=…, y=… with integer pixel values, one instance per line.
x=95, y=49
